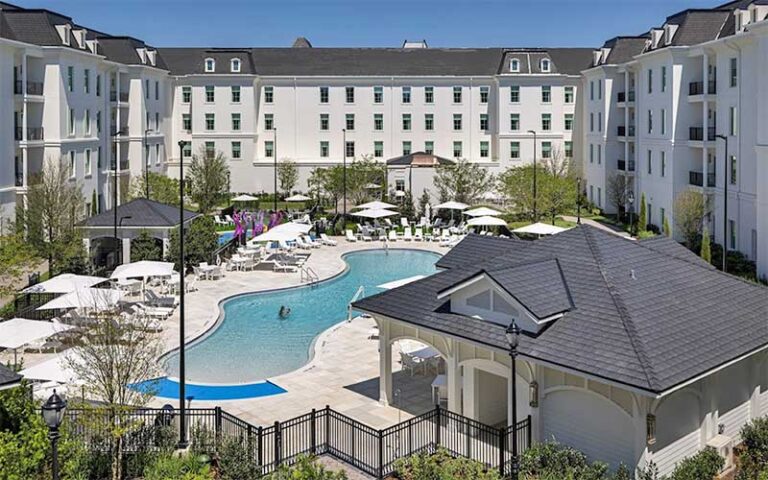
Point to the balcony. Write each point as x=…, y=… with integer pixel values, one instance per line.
x=624, y=97
x=623, y=131
x=113, y=97
x=18, y=173
x=697, y=88
x=626, y=166
x=32, y=133
x=696, y=134
x=697, y=179
x=33, y=88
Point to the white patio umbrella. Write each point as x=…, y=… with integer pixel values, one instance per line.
x=486, y=221
x=298, y=198
x=64, y=283
x=286, y=232
x=375, y=213
x=482, y=212
x=372, y=186
x=244, y=198
x=18, y=332
x=56, y=369
x=451, y=205
x=540, y=228
x=375, y=205
x=98, y=299
x=143, y=269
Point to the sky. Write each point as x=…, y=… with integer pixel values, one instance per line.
x=370, y=23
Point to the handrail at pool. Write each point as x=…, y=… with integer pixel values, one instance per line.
x=358, y=294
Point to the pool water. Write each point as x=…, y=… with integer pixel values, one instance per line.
x=251, y=341
x=225, y=237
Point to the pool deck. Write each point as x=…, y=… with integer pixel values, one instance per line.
x=344, y=370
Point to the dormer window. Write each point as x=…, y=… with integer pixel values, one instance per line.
x=514, y=65
x=235, y=66
x=210, y=65
x=545, y=65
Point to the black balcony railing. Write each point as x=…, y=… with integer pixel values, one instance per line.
x=17, y=87
x=33, y=133
x=696, y=178
x=626, y=97
x=33, y=88
x=626, y=131
x=626, y=166
x=697, y=88
x=697, y=134
x=711, y=180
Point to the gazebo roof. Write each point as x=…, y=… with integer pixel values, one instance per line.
x=419, y=159
x=143, y=213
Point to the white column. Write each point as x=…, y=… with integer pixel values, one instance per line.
x=468, y=382
x=385, y=363
x=126, y=250
x=166, y=247
x=642, y=454
x=87, y=246
x=536, y=411
x=453, y=380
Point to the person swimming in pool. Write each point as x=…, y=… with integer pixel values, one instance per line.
x=284, y=311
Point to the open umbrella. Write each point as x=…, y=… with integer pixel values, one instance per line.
x=56, y=369
x=486, y=221
x=98, y=299
x=143, y=269
x=286, y=232
x=298, y=198
x=244, y=198
x=377, y=205
x=451, y=205
x=372, y=186
x=64, y=283
x=375, y=213
x=540, y=229
x=18, y=332
x=482, y=212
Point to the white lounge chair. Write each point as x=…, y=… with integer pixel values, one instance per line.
x=229, y=219
x=392, y=236
x=284, y=246
x=419, y=235
x=407, y=235
x=155, y=300
x=324, y=238
x=219, y=221
x=300, y=243
x=350, y=236
x=284, y=267
x=312, y=243
x=404, y=222
x=366, y=236
x=412, y=364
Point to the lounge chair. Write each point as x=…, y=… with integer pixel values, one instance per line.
x=350, y=236
x=308, y=240
x=419, y=235
x=300, y=243
x=219, y=221
x=284, y=267
x=324, y=238
x=407, y=235
x=365, y=236
x=404, y=222
x=156, y=301
x=229, y=219
x=392, y=236
x=284, y=246
x=152, y=312
x=412, y=364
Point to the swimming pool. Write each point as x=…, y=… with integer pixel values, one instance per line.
x=225, y=237
x=252, y=343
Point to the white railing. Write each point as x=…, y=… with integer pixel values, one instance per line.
x=309, y=275
x=358, y=294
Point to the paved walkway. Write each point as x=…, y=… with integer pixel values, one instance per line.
x=596, y=224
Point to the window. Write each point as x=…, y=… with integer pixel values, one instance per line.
x=484, y=94
x=568, y=149
x=72, y=171
x=599, y=89
x=324, y=149
x=210, y=65
x=406, y=121
x=650, y=163
x=484, y=121
x=591, y=89
x=734, y=72
x=546, y=121
x=662, y=214
x=663, y=78
x=87, y=162
x=732, y=230
x=378, y=121
x=235, y=65
x=732, y=120
x=514, y=121
x=546, y=94
x=591, y=153
x=406, y=95
x=429, y=147
x=98, y=121
x=650, y=81
x=236, y=122
x=429, y=94
x=235, y=89
x=429, y=121
x=599, y=197
x=157, y=121
x=456, y=94
x=350, y=121
x=186, y=122
x=87, y=122
x=378, y=149
x=514, y=93
x=663, y=160
x=591, y=122
x=599, y=154
x=457, y=121
x=663, y=119
x=87, y=81
x=269, y=121
x=324, y=95
x=514, y=65
x=146, y=88
x=591, y=193
x=98, y=85
x=568, y=94
x=734, y=170
x=186, y=94
x=210, y=121
x=146, y=121
x=157, y=90
x=349, y=94
x=269, y=148
x=324, y=121
x=400, y=185
x=457, y=150
x=71, y=122
x=210, y=97
x=546, y=149
x=236, y=151
x=349, y=149
x=378, y=94
x=484, y=150
x=269, y=94
x=545, y=65
x=98, y=158
x=568, y=121
x=514, y=150
x=599, y=121
x=71, y=79
x=406, y=148
x=650, y=121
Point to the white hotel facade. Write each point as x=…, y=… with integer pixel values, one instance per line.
x=67, y=89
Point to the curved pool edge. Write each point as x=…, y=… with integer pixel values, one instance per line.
x=210, y=329
x=168, y=387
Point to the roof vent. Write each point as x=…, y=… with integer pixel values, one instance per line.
x=632, y=274
x=415, y=44
x=301, y=42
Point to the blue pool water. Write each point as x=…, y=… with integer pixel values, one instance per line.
x=252, y=343
x=169, y=388
x=224, y=237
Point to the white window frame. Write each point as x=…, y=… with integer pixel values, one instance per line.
x=514, y=65
x=210, y=65
x=235, y=65
x=545, y=65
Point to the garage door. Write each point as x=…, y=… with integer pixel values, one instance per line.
x=591, y=424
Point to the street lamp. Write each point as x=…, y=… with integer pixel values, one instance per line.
x=53, y=414
x=725, y=201
x=535, y=217
x=631, y=200
x=120, y=224
x=578, y=201
x=513, y=340
x=344, y=172
x=274, y=155
x=145, y=144
x=115, y=137
x=182, y=381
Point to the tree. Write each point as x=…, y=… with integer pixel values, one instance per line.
x=667, y=230
x=463, y=182
x=145, y=247
x=360, y=173
x=94, y=204
x=423, y=202
x=691, y=208
x=556, y=195
x=617, y=191
x=516, y=184
x=706, y=249
x=287, y=175
x=16, y=259
x=642, y=219
x=200, y=242
x=162, y=188
x=110, y=355
x=208, y=179
x=556, y=187
x=54, y=204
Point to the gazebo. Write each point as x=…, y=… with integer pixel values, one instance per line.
x=132, y=218
x=404, y=164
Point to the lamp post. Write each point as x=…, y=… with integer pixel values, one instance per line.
x=115, y=137
x=145, y=143
x=182, y=381
x=725, y=201
x=344, y=171
x=513, y=340
x=631, y=200
x=578, y=201
x=535, y=216
x=53, y=414
x=274, y=155
x=120, y=224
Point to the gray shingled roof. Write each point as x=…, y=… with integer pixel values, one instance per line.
x=183, y=61
x=623, y=49
x=567, y=61
x=698, y=26
x=405, y=160
x=8, y=377
x=476, y=248
x=647, y=314
x=143, y=213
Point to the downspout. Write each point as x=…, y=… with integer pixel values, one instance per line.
x=737, y=119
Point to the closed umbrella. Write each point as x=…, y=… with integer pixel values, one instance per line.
x=482, y=212
x=428, y=211
x=375, y=205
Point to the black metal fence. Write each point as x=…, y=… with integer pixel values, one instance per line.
x=319, y=432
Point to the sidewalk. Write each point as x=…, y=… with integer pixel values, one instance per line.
x=601, y=226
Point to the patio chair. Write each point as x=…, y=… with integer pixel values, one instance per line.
x=217, y=272
x=156, y=301
x=324, y=238
x=191, y=286
x=419, y=235
x=229, y=219
x=404, y=222
x=350, y=236
x=407, y=235
x=248, y=263
x=284, y=267
x=218, y=220
x=392, y=236
x=366, y=236
x=152, y=312
x=412, y=364
x=284, y=246
x=301, y=244
x=308, y=240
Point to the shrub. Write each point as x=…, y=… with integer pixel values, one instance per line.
x=754, y=456
x=236, y=461
x=172, y=467
x=305, y=468
x=551, y=460
x=443, y=466
x=702, y=466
